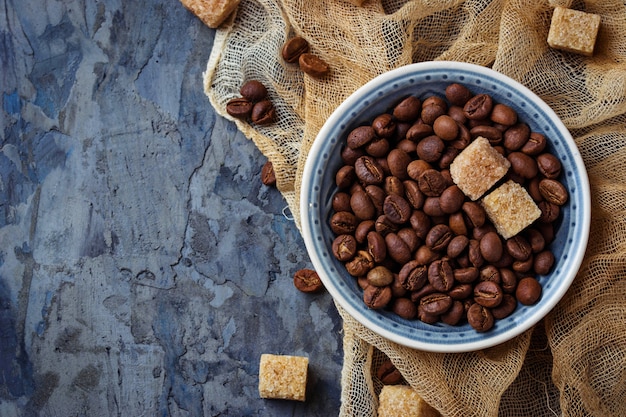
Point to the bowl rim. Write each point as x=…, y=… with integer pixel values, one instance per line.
x=575, y=259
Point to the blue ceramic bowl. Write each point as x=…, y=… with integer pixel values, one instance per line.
x=378, y=96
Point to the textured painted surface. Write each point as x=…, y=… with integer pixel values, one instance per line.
x=144, y=268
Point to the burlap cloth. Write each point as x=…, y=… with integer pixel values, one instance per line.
x=574, y=362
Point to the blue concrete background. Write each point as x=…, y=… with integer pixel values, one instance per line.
x=144, y=267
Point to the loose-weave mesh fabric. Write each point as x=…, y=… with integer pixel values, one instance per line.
x=574, y=362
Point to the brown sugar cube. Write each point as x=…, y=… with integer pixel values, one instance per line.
x=510, y=208
x=212, y=12
x=573, y=31
x=403, y=401
x=478, y=168
x=283, y=377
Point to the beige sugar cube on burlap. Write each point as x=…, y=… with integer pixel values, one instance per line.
x=403, y=401
x=573, y=31
x=212, y=12
x=510, y=208
x=478, y=167
x=283, y=377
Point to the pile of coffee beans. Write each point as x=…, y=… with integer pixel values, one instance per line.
x=253, y=104
x=416, y=244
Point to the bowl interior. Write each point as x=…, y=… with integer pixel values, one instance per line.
x=380, y=95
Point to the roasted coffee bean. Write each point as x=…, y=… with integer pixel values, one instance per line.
x=432, y=108
x=518, y=247
x=549, y=165
x=505, y=308
x=458, y=94
x=376, y=246
x=307, y=280
x=410, y=238
x=523, y=165
x=480, y=318
x=377, y=195
x=313, y=65
x=393, y=185
x=384, y=226
x=523, y=267
x=457, y=224
x=268, y=175
x=427, y=289
x=446, y=127
x=491, y=247
x=474, y=253
x=448, y=156
x=369, y=171
x=436, y=303
x=456, y=112
x=408, y=109
x=418, y=131
x=432, y=207
x=397, y=248
x=413, y=194
x=491, y=133
x=377, y=298
x=341, y=201
x=366, y=226
x=263, y=113
x=464, y=138
x=413, y=275
x=431, y=183
x=528, y=291
x=478, y=107
x=380, y=276
x=362, y=206
x=543, y=262
x=441, y=275
x=466, y=275
x=384, y=126
x=535, y=145
x=516, y=136
x=239, y=107
x=416, y=168
x=397, y=209
x=360, y=136
x=490, y=273
x=508, y=280
x=451, y=200
x=344, y=247
x=387, y=373
x=549, y=212
x=360, y=264
x=503, y=114
x=456, y=246
x=455, y=314
x=425, y=255
x=253, y=91
x=345, y=177
x=293, y=48
x=475, y=215
x=461, y=291
x=430, y=148
x=553, y=191
x=378, y=148
x=343, y=222
x=425, y=317
x=536, y=240
x=398, y=161
x=420, y=223
x=438, y=237
x=349, y=155
x=404, y=308
x=488, y=294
